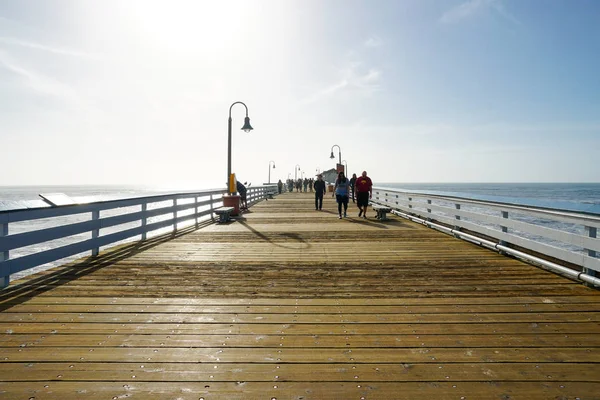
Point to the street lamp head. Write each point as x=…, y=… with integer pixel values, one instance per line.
x=273, y=165
x=247, y=127
x=331, y=156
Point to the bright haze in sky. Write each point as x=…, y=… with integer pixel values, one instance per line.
x=138, y=92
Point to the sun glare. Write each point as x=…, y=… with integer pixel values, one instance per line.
x=187, y=26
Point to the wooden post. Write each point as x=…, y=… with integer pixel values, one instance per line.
x=504, y=228
x=95, y=232
x=144, y=221
x=457, y=217
x=4, y=255
x=175, y=216
x=591, y=232
x=196, y=208
x=429, y=210
x=212, y=207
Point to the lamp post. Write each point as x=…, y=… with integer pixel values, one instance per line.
x=346, y=162
x=302, y=176
x=296, y=169
x=270, y=169
x=318, y=170
x=246, y=128
x=339, y=152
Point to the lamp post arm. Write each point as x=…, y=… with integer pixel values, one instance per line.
x=237, y=102
x=339, y=151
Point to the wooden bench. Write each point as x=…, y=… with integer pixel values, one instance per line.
x=224, y=213
x=381, y=212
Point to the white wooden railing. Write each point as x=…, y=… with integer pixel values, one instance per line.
x=564, y=235
x=104, y=223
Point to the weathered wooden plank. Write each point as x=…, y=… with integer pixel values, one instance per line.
x=546, y=340
x=242, y=372
x=299, y=390
x=312, y=310
x=300, y=329
x=336, y=318
x=302, y=355
x=342, y=302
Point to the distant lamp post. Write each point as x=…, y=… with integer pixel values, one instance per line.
x=246, y=128
x=346, y=162
x=302, y=174
x=339, y=153
x=318, y=170
x=270, y=169
x=296, y=169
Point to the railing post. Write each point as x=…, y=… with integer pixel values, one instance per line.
x=212, y=207
x=4, y=255
x=457, y=217
x=592, y=232
x=175, y=216
x=95, y=232
x=504, y=228
x=144, y=220
x=196, y=208
x=429, y=210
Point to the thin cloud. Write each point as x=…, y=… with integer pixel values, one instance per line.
x=365, y=83
x=353, y=77
x=373, y=41
x=472, y=8
x=39, y=83
x=50, y=49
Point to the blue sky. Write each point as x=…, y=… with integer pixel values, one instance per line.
x=138, y=92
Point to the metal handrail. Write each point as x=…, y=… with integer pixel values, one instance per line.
x=565, y=235
x=151, y=213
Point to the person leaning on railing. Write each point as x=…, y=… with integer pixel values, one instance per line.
x=241, y=189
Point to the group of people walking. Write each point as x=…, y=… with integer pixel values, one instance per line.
x=301, y=185
x=361, y=190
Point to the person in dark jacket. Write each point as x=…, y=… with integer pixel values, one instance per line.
x=320, y=186
x=352, y=183
x=241, y=189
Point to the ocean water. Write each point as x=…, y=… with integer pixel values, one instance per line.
x=583, y=197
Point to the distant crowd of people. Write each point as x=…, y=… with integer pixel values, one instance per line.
x=301, y=185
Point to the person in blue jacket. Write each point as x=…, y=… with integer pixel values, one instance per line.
x=342, y=189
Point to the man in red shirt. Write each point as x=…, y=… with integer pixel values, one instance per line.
x=364, y=191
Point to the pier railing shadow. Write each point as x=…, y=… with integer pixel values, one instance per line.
x=64, y=274
x=264, y=237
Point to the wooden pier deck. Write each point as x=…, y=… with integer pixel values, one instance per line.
x=291, y=303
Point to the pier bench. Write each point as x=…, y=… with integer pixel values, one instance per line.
x=381, y=211
x=224, y=213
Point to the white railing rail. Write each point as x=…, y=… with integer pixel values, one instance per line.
x=564, y=235
x=150, y=213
